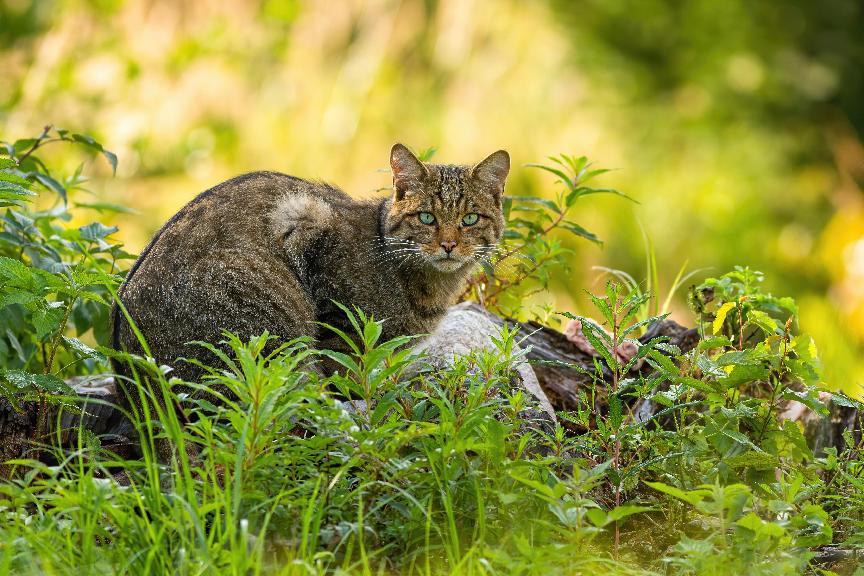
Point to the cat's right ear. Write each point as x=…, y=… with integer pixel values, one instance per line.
x=408, y=171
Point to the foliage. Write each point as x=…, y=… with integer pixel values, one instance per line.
x=55, y=281
x=674, y=461
x=443, y=473
x=437, y=475
x=530, y=252
x=715, y=438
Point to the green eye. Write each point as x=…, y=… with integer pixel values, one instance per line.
x=470, y=219
x=427, y=218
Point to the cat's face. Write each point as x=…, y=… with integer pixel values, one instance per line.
x=445, y=216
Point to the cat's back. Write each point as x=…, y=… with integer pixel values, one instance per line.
x=234, y=213
x=218, y=263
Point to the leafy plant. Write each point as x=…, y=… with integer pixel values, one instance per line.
x=529, y=252
x=619, y=353
x=53, y=279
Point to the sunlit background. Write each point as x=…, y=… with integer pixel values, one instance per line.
x=736, y=125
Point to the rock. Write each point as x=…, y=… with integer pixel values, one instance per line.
x=467, y=327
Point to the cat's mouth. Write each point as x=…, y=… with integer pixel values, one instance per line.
x=448, y=263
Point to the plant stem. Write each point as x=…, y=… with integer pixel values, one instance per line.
x=776, y=387
x=55, y=342
x=36, y=144
x=617, y=454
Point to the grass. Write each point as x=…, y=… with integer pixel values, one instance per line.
x=441, y=474
x=289, y=482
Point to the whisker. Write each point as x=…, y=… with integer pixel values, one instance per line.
x=398, y=254
x=387, y=241
x=408, y=258
x=495, y=255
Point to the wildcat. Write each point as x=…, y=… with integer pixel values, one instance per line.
x=267, y=251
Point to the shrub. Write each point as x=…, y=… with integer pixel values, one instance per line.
x=55, y=282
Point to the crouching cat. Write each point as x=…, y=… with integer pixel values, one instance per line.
x=267, y=251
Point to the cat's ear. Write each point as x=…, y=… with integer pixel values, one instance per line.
x=492, y=171
x=408, y=171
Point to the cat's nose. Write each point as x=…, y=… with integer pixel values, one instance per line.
x=448, y=245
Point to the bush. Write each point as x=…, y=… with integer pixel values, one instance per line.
x=57, y=282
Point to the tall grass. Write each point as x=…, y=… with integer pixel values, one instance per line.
x=438, y=476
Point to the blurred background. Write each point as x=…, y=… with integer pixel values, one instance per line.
x=737, y=125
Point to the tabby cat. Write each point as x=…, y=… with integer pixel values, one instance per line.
x=267, y=251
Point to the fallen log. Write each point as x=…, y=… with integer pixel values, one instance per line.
x=562, y=369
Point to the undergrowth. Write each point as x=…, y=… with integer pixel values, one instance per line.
x=675, y=461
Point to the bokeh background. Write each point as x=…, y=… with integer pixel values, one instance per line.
x=736, y=125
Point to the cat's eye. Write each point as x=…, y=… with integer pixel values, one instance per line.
x=426, y=218
x=470, y=219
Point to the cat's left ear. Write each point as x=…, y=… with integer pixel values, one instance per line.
x=408, y=171
x=492, y=171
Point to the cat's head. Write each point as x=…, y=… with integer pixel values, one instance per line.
x=442, y=215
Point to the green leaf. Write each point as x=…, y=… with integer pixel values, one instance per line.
x=754, y=460
x=15, y=271
x=739, y=438
x=843, y=400
x=549, y=204
x=18, y=296
x=746, y=356
x=665, y=364
x=586, y=191
x=578, y=230
x=809, y=398
x=559, y=173
x=91, y=143
x=23, y=144
x=598, y=339
x=16, y=276
x=96, y=231
x=12, y=194
x=762, y=320
x=16, y=345
x=755, y=524
x=27, y=382
x=426, y=154
x=82, y=349
x=603, y=307
x=615, y=411
x=585, y=177
x=597, y=517
x=693, y=497
x=371, y=333
x=646, y=322
x=620, y=512
x=50, y=183
x=744, y=373
x=714, y=342
x=342, y=359
x=106, y=207
x=47, y=319
x=697, y=384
